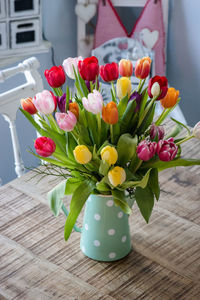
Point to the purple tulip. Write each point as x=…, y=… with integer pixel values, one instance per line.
x=156, y=133
x=93, y=82
x=146, y=150
x=167, y=149
x=138, y=98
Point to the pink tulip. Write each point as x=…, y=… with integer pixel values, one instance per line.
x=44, y=146
x=93, y=103
x=66, y=121
x=167, y=150
x=156, y=133
x=70, y=64
x=146, y=150
x=45, y=102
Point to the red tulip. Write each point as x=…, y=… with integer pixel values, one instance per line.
x=167, y=150
x=27, y=105
x=55, y=76
x=158, y=86
x=109, y=72
x=89, y=68
x=44, y=146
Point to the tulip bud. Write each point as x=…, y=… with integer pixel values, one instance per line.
x=109, y=154
x=170, y=99
x=167, y=150
x=93, y=103
x=66, y=121
x=89, y=68
x=157, y=87
x=146, y=150
x=110, y=113
x=70, y=64
x=55, y=76
x=45, y=102
x=109, y=72
x=125, y=68
x=123, y=87
x=61, y=101
x=156, y=133
x=73, y=107
x=117, y=176
x=196, y=131
x=44, y=146
x=82, y=154
x=142, y=67
x=27, y=105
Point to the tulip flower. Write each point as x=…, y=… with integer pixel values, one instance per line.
x=93, y=103
x=82, y=154
x=117, y=176
x=45, y=102
x=123, y=87
x=73, y=107
x=61, y=101
x=146, y=150
x=109, y=154
x=55, y=76
x=142, y=67
x=167, y=149
x=109, y=72
x=89, y=68
x=156, y=133
x=125, y=68
x=170, y=99
x=70, y=64
x=44, y=146
x=110, y=113
x=27, y=105
x=196, y=131
x=157, y=87
x=66, y=121
x=138, y=98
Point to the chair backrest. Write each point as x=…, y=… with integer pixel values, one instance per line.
x=9, y=100
x=87, y=9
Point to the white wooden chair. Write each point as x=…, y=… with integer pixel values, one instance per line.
x=10, y=100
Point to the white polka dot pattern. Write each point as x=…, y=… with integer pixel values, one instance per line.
x=97, y=243
x=86, y=227
x=97, y=217
x=112, y=255
x=111, y=231
x=124, y=239
x=120, y=214
x=110, y=203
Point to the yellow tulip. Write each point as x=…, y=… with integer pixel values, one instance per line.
x=117, y=176
x=109, y=154
x=82, y=154
x=123, y=87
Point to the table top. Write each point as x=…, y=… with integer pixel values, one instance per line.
x=37, y=264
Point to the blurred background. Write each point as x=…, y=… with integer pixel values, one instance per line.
x=60, y=29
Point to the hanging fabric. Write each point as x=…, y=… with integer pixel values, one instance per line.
x=149, y=25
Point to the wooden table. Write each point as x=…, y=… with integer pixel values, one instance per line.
x=36, y=263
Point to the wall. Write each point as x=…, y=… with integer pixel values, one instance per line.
x=183, y=68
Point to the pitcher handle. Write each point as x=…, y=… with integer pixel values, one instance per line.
x=66, y=212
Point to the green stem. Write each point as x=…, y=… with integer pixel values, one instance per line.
x=138, y=165
x=113, y=89
x=58, y=91
x=146, y=111
x=112, y=133
x=162, y=117
x=141, y=84
x=91, y=87
x=99, y=128
x=185, y=140
x=56, y=127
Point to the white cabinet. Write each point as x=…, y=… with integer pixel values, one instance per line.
x=3, y=36
x=21, y=8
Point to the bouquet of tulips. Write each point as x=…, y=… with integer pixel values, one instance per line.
x=115, y=148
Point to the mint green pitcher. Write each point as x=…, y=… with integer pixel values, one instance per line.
x=105, y=235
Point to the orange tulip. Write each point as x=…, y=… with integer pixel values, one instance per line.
x=142, y=67
x=27, y=105
x=110, y=113
x=73, y=107
x=125, y=68
x=171, y=98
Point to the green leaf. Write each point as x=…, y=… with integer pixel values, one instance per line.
x=66, y=164
x=126, y=148
x=176, y=130
x=143, y=102
x=70, y=145
x=102, y=187
x=127, y=117
x=181, y=124
x=79, y=198
x=177, y=162
x=140, y=183
x=145, y=201
x=153, y=183
x=71, y=185
x=120, y=200
x=55, y=197
x=67, y=97
x=104, y=167
x=147, y=120
x=122, y=106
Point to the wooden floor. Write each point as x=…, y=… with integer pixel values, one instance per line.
x=37, y=264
